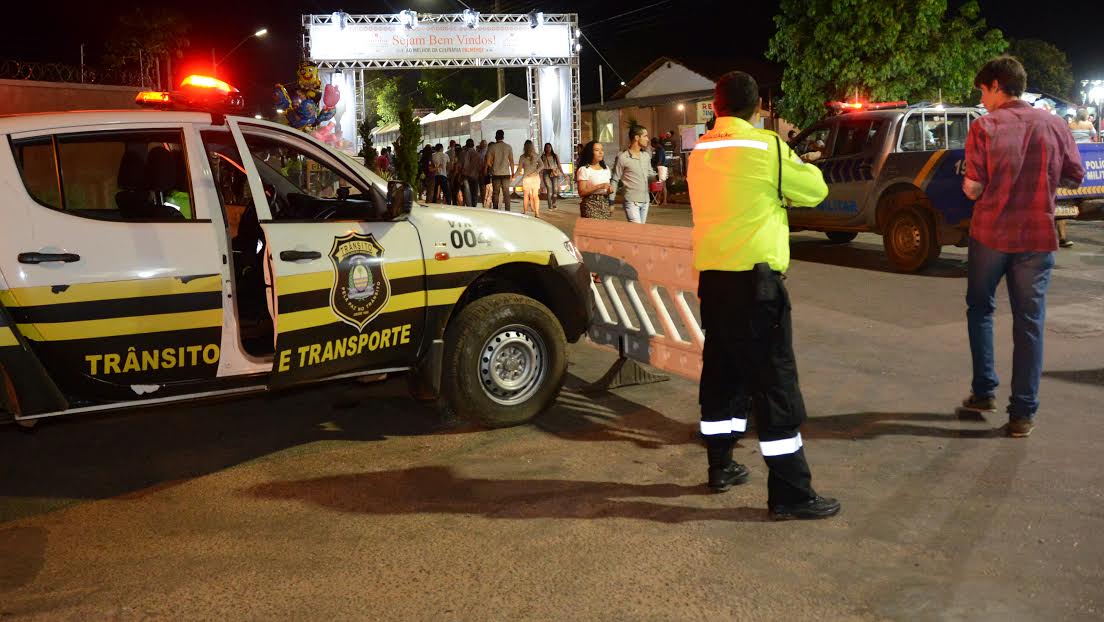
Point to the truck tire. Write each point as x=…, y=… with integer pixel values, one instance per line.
x=910, y=239
x=841, y=237
x=505, y=361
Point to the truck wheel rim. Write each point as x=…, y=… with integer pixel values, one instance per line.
x=512, y=365
x=906, y=236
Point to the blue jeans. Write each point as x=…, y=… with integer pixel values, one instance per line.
x=1028, y=277
x=636, y=211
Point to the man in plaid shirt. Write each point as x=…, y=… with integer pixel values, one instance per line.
x=1017, y=156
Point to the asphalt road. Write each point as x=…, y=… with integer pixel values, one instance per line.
x=347, y=502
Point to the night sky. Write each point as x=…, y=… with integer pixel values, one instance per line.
x=679, y=28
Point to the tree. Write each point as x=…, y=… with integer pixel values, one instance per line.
x=885, y=51
x=1048, y=69
x=142, y=37
x=442, y=88
x=368, y=148
x=406, y=151
x=387, y=101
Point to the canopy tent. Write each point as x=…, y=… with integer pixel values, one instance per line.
x=509, y=114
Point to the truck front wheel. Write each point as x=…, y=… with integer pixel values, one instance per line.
x=910, y=239
x=505, y=360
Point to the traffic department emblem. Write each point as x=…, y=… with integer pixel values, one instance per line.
x=360, y=289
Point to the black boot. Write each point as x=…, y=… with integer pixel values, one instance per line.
x=817, y=507
x=721, y=479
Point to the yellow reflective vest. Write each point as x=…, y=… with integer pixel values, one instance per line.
x=738, y=217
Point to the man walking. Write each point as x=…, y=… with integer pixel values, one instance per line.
x=632, y=169
x=741, y=179
x=471, y=167
x=440, y=166
x=659, y=163
x=1016, y=159
x=500, y=166
x=456, y=177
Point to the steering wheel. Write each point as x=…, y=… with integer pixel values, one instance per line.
x=326, y=213
x=279, y=204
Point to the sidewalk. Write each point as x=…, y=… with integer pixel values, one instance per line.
x=567, y=212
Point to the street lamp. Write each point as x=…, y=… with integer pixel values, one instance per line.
x=682, y=109
x=214, y=64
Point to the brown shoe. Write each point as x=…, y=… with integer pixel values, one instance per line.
x=1019, y=428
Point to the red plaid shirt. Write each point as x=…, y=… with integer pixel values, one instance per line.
x=1020, y=155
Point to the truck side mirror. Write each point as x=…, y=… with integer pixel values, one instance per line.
x=400, y=198
x=343, y=193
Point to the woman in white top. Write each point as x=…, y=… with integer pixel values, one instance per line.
x=530, y=166
x=594, y=182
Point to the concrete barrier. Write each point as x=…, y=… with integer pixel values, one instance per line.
x=26, y=96
x=646, y=298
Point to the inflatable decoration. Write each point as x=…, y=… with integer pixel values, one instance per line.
x=306, y=104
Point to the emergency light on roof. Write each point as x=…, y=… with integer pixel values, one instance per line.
x=196, y=93
x=206, y=82
x=842, y=107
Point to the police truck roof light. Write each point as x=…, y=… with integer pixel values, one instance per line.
x=843, y=107
x=196, y=93
x=151, y=98
x=206, y=82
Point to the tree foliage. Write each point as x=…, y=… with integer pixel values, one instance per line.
x=410, y=137
x=385, y=100
x=448, y=88
x=885, y=50
x=1048, y=69
x=156, y=34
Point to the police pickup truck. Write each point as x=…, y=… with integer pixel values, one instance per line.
x=896, y=170
x=156, y=256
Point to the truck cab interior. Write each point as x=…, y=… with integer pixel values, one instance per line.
x=298, y=188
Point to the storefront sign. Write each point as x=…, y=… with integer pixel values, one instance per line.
x=441, y=41
x=705, y=111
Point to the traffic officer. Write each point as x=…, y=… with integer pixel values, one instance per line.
x=741, y=180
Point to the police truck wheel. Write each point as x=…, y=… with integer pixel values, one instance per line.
x=841, y=237
x=505, y=359
x=910, y=239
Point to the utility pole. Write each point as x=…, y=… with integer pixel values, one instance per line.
x=501, y=71
x=82, y=63
x=601, y=84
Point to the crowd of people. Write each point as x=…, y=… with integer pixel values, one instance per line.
x=484, y=174
x=488, y=173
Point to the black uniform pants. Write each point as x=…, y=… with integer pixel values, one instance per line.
x=749, y=365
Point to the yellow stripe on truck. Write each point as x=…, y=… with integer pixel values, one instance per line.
x=115, y=327
x=442, y=297
x=324, y=316
x=109, y=290
x=485, y=262
x=298, y=283
x=7, y=337
x=922, y=176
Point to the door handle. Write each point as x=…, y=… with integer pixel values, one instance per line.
x=48, y=257
x=299, y=255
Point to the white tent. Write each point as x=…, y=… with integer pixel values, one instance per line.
x=509, y=114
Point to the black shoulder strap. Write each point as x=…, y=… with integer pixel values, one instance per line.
x=778, y=143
